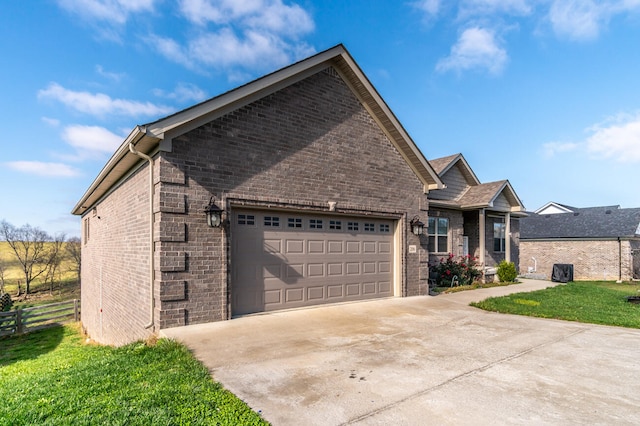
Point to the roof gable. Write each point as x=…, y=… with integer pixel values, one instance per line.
x=444, y=164
x=159, y=134
x=486, y=194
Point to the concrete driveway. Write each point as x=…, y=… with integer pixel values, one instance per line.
x=423, y=360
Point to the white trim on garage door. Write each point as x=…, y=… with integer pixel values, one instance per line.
x=282, y=260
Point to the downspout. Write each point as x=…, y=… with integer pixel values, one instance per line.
x=619, y=260
x=151, y=223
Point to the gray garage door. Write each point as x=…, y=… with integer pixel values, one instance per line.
x=287, y=260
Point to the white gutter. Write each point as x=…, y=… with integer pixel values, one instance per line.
x=151, y=223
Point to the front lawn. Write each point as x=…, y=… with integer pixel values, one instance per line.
x=595, y=302
x=52, y=377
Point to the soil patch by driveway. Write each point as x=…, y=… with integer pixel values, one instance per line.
x=423, y=360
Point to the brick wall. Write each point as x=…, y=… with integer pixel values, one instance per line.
x=115, y=264
x=300, y=147
x=592, y=260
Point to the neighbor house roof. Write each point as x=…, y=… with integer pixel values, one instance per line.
x=159, y=134
x=557, y=208
x=583, y=223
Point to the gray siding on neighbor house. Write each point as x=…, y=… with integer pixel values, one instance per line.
x=298, y=148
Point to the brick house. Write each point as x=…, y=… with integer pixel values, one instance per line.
x=317, y=183
x=473, y=218
x=602, y=243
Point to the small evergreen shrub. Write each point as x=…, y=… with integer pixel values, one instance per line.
x=464, y=268
x=5, y=302
x=507, y=271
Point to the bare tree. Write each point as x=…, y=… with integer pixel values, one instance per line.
x=74, y=251
x=29, y=245
x=54, y=257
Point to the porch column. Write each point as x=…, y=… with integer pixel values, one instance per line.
x=481, y=221
x=507, y=237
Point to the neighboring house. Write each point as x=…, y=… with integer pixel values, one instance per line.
x=602, y=243
x=469, y=217
x=316, y=183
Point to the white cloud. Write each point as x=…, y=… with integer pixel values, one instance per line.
x=617, y=138
x=576, y=19
x=552, y=148
x=239, y=34
x=116, y=77
x=53, y=122
x=100, y=104
x=585, y=19
x=470, y=8
x=112, y=11
x=44, y=169
x=270, y=15
x=476, y=48
x=429, y=7
x=91, y=138
x=183, y=92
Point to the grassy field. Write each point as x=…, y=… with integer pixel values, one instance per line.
x=66, y=283
x=52, y=377
x=596, y=302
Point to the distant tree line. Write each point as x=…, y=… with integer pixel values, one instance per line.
x=38, y=253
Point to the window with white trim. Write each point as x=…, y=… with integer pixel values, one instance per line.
x=499, y=229
x=335, y=224
x=352, y=226
x=438, y=234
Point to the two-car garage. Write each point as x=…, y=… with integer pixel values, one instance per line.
x=288, y=259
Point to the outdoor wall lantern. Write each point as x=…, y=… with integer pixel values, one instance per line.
x=417, y=227
x=214, y=214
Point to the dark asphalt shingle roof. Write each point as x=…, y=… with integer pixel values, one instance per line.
x=593, y=222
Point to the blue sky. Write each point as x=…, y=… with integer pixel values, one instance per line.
x=544, y=93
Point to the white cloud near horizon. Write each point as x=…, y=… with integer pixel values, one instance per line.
x=476, y=48
x=238, y=34
x=45, y=169
x=100, y=104
x=617, y=139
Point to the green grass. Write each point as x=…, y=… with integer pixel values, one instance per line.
x=596, y=302
x=52, y=377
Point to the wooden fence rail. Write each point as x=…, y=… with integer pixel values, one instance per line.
x=25, y=320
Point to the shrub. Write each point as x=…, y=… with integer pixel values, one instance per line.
x=507, y=271
x=464, y=268
x=5, y=302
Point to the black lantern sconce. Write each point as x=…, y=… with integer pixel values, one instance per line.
x=417, y=227
x=214, y=214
